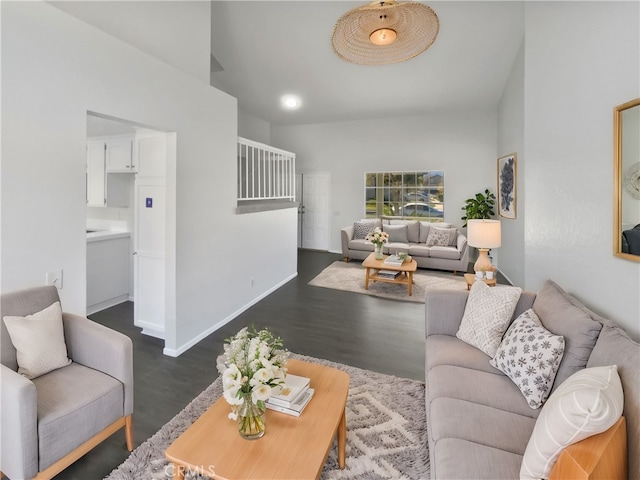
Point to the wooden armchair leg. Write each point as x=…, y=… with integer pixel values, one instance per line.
x=128, y=432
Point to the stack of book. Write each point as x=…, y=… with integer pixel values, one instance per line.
x=387, y=274
x=394, y=260
x=295, y=395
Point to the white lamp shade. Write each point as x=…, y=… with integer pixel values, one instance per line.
x=484, y=233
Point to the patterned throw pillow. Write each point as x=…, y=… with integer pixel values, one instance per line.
x=530, y=356
x=487, y=315
x=362, y=229
x=442, y=237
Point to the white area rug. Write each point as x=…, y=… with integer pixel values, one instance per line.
x=386, y=431
x=350, y=277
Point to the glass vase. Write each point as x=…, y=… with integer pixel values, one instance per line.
x=378, y=250
x=251, y=418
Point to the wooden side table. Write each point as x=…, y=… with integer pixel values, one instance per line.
x=470, y=278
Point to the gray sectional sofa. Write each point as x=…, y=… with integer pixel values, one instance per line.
x=409, y=236
x=478, y=421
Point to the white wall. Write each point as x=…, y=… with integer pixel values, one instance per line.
x=55, y=68
x=581, y=60
x=176, y=32
x=511, y=140
x=253, y=128
x=461, y=144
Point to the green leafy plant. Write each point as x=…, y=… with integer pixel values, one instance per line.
x=479, y=207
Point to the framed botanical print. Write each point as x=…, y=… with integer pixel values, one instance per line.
x=507, y=193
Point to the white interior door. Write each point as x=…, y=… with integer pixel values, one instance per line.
x=149, y=256
x=313, y=218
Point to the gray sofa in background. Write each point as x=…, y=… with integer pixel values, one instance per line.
x=52, y=420
x=410, y=236
x=478, y=421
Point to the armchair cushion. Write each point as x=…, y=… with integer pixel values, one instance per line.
x=74, y=403
x=39, y=341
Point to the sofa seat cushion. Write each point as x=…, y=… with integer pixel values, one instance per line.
x=448, y=350
x=74, y=403
x=361, y=244
x=419, y=250
x=454, y=418
x=451, y=253
x=461, y=459
x=393, y=247
x=478, y=387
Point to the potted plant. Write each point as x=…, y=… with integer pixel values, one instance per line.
x=481, y=206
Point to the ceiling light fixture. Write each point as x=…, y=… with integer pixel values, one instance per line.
x=384, y=32
x=290, y=102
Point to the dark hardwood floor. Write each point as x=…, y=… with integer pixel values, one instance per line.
x=359, y=330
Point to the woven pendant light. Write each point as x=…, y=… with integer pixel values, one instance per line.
x=384, y=32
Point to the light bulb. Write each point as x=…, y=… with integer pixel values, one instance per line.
x=383, y=36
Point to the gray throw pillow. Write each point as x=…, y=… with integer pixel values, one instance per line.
x=362, y=229
x=397, y=233
x=562, y=314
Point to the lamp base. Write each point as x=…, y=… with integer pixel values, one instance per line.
x=483, y=262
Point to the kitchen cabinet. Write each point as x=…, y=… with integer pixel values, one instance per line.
x=108, y=270
x=119, y=155
x=104, y=188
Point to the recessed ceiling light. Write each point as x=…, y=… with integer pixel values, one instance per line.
x=290, y=102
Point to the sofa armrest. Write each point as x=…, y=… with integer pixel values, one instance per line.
x=463, y=248
x=346, y=235
x=19, y=427
x=443, y=311
x=600, y=456
x=103, y=349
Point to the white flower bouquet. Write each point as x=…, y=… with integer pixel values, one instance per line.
x=253, y=368
x=377, y=237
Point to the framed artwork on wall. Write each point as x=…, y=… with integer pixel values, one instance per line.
x=507, y=193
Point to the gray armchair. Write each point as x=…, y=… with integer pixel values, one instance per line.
x=51, y=421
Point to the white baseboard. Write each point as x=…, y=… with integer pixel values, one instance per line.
x=170, y=352
x=107, y=304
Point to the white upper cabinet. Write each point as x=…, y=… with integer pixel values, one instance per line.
x=150, y=155
x=120, y=155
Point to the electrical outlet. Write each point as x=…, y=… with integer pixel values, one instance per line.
x=54, y=278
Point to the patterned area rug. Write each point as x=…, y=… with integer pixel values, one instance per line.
x=350, y=277
x=386, y=431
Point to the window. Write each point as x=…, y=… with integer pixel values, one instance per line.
x=405, y=194
x=265, y=173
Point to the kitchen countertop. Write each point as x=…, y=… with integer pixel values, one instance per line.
x=100, y=235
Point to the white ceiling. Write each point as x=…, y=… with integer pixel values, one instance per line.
x=268, y=49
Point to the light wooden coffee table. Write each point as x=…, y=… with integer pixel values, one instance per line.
x=405, y=277
x=291, y=448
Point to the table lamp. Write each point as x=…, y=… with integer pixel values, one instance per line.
x=483, y=235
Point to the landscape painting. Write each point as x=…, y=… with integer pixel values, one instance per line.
x=507, y=186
